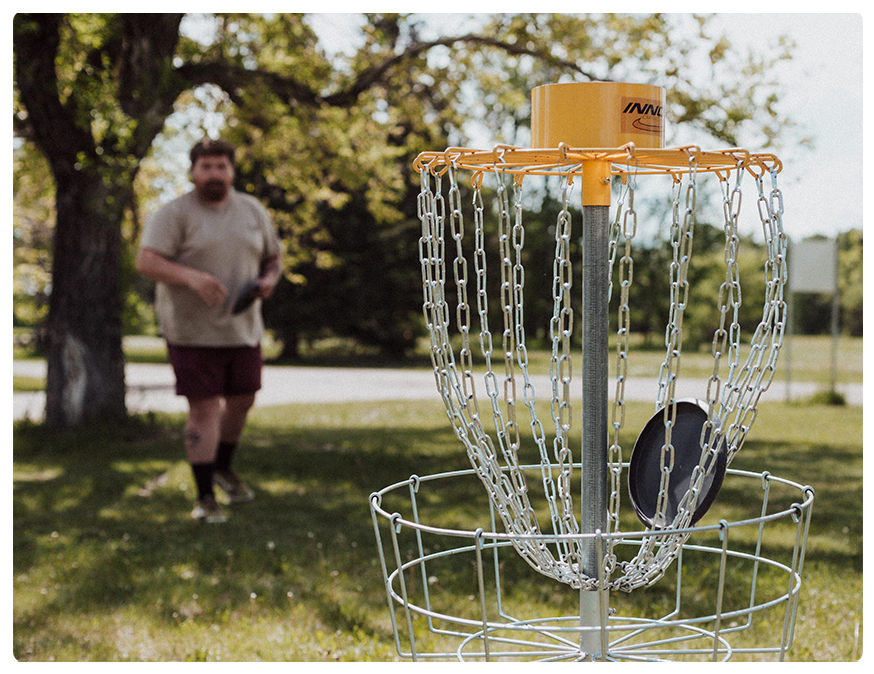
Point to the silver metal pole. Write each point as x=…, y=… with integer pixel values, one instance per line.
x=595, y=336
x=836, y=320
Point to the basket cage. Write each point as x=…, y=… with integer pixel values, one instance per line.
x=484, y=287
x=459, y=591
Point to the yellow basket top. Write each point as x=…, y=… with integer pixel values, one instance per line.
x=624, y=161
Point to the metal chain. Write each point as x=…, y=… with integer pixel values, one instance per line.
x=508, y=488
x=742, y=393
x=496, y=459
x=513, y=240
x=510, y=512
x=517, y=276
x=462, y=308
x=432, y=252
x=511, y=427
x=561, y=326
x=682, y=233
x=726, y=339
x=624, y=225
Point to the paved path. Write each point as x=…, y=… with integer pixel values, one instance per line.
x=150, y=387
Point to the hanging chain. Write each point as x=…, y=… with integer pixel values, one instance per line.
x=682, y=233
x=521, y=350
x=742, y=393
x=457, y=391
x=462, y=308
x=511, y=244
x=726, y=339
x=624, y=225
x=431, y=254
x=510, y=510
x=561, y=326
x=508, y=336
x=495, y=457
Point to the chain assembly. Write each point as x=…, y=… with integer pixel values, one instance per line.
x=732, y=390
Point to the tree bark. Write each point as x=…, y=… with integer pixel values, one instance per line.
x=93, y=182
x=85, y=377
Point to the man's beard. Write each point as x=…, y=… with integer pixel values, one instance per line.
x=214, y=190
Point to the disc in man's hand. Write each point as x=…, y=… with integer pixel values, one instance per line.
x=246, y=298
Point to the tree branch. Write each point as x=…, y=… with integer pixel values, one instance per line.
x=367, y=78
x=149, y=42
x=36, y=39
x=233, y=79
x=148, y=84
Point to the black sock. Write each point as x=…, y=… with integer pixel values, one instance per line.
x=225, y=455
x=203, y=473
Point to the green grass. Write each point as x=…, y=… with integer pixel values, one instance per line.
x=108, y=565
x=21, y=384
x=809, y=359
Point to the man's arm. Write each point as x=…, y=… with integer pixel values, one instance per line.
x=155, y=266
x=271, y=271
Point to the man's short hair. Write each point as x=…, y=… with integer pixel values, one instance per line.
x=209, y=147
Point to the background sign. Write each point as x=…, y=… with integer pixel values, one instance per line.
x=813, y=266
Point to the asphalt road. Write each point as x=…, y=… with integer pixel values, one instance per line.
x=150, y=387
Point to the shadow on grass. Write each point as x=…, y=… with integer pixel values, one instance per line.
x=102, y=524
x=101, y=520
x=834, y=472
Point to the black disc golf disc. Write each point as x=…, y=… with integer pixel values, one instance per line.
x=246, y=298
x=645, y=467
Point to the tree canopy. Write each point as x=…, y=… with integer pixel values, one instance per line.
x=326, y=142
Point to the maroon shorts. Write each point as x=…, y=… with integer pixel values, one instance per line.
x=209, y=371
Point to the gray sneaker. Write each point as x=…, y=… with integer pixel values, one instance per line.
x=233, y=486
x=207, y=510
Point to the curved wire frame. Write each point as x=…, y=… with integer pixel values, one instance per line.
x=754, y=556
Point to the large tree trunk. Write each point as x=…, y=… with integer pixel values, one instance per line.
x=93, y=181
x=85, y=359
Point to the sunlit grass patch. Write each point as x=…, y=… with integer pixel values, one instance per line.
x=109, y=565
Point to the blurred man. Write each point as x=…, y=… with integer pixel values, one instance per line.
x=214, y=254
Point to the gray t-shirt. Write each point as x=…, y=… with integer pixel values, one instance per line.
x=229, y=241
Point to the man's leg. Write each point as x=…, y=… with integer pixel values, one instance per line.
x=236, y=409
x=202, y=430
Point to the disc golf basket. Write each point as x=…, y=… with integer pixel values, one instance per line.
x=727, y=577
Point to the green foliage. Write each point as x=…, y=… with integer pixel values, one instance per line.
x=32, y=228
x=326, y=140
x=851, y=281
x=828, y=398
x=338, y=177
x=338, y=182
x=735, y=103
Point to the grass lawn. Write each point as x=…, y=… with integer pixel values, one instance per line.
x=109, y=566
